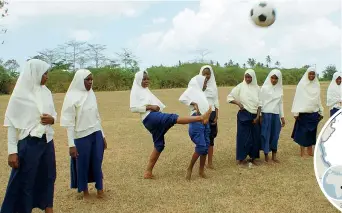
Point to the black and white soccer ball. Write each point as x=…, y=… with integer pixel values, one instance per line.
x=263, y=14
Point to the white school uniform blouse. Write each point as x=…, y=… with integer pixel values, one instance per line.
x=191, y=107
x=214, y=103
x=14, y=135
x=249, y=106
x=275, y=107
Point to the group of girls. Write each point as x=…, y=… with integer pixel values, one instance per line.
x=31, y=113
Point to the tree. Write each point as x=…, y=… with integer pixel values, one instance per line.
x=11, y=65
x=268, y=60
x=277, y=64
x=50, y=56
x=244, y=65
x=77, y=51
x=128, y=59
x=251, y=62
x=96, y=54
x=329, y=72
x=230, y=63
x=202, y=53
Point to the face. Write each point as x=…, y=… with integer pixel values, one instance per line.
x=312, y=75
x=248, y=78
x=88, y=82
x=145, y=81
x=338, y=81
x=206, y=72
x=44, y=78
x=205, y=84
x=274, y=80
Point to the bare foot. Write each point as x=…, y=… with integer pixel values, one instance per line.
x=302, y=153
x=203, y=175
x=266, y=158
x=188, y=174
x=254, y=163
x=100, y=194
x=148, y=175
x=49, y=210
x=241, y=162
x=210, y=166
x=86, y=195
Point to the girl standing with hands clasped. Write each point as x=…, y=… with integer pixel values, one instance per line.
x=211, y=93
x=86, y=139
x=199, y=133
x=307, y=110
x=150, y=108
x=271, y=98
x=246, y=96
x=29, y=116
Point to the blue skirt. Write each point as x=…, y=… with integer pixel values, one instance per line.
x=158, y=123
x=200, y=135
x=305, y=129
x=32, y=184
x=87, y=167
x=213, y=128
x=333, y=111
x=248, y=136
x=270, y=131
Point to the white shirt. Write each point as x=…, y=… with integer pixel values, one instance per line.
x=142, y=110
x=274, y=107
x=72, y=134
x=214, y=103
x=14, y=135
x=250, y=106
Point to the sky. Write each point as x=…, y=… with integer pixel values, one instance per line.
x=164, y=32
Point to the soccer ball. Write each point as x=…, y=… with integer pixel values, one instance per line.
x=263, y=14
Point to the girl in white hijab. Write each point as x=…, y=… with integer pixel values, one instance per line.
x=246, y=96
x=211, y=93
x=334, y=99
x=31, y=113
x=80, y=115
x=195, y=99
x=150, y=108
x=271, y=98
x=307, y=110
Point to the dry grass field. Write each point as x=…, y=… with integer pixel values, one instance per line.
x=288, y=187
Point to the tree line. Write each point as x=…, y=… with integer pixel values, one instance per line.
x=117, y=72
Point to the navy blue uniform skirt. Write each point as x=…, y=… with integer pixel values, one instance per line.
x=248, y=136
x=213, y=128
x=87, y=167
x=305, y=129
x=158, y=123
x=333, y=111
x=270, y=131
x=200, y=135
x=32, y=184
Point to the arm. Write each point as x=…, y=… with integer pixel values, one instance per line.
x=71, y=136
x=12, y=140
x=321, y=109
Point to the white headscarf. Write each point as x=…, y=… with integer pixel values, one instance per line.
x=29, y=99
x=142, y=96
x=80, y=106
x=270, y=92
x=307, y=97
x=211, y=90
x=334, y=91
x=194, y=93
x=248, y=93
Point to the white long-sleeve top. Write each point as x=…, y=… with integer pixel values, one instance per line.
x=14, y=135
x=245, y=99
x=319, y=108
x=192, y=109
x=214, y=103
x=275, y=107
x=142, y=111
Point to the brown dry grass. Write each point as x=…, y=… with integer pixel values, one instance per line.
x=288, y=187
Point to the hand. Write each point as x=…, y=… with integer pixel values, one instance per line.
x=215, y=120
x=256, y=120
x=196, y=108
x=296, y=117
x=73, y=152
x=13, y=161
x=282, y=122
x=154, y=108
x=105, y=143
x=241, y=106
x=47, y=119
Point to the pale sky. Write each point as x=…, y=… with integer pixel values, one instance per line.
x=163, y=32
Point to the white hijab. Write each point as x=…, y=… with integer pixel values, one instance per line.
x=29, y=99
x=248, y=93
x=334, y=91
x=80, y=106
x=270, y=92
x=142, y=96
x=194, y=93
x=307, y=97
x=211, y=90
